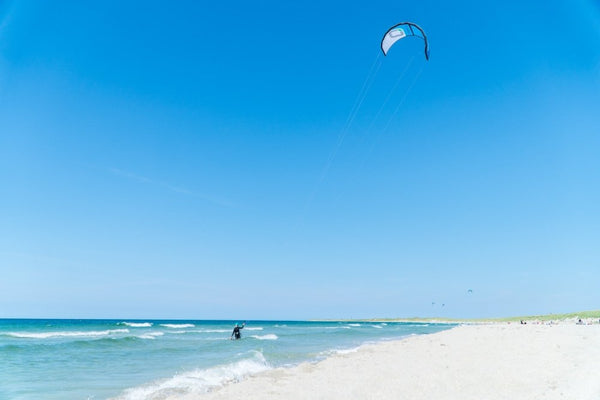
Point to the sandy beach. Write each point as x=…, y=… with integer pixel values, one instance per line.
x=496, y=361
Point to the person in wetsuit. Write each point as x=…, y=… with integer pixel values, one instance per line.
x=236, y=331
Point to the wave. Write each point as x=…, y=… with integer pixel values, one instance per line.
x=199, y=381
x=178, y=326
x=354, y=325
x=151, y=335
x=269, y=336
x=257, y=328
x=137, y=324
x=214, y=330
x=338, y=351
x=347, y=351
x=57, y=334
x=342, y=351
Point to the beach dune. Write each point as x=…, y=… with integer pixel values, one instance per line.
x=496, y=361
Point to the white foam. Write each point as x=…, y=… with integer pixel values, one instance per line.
x=269, y=336
x=178, y=326
x=151, y=335
x=377, y=326
x=214, y=330
x=198, y=381
x=57, y=334
x=137, y=324
x=354, y=325
x=347, y=351
x=330, y=352
x=257, y=328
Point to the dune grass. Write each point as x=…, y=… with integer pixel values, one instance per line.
x=553, y=317
x=594, y=314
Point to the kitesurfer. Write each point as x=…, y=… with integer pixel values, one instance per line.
x=236, y=334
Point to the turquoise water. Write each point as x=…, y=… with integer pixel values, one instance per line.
x=155, y=359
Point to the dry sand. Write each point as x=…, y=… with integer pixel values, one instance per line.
x=499, y=361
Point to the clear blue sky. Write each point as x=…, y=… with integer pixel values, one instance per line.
x=170, y=161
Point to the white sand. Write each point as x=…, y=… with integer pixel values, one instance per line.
x=476, y=362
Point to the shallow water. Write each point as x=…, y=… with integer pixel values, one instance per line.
x=151, y=359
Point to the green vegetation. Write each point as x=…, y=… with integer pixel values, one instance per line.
x=582, y=314
x=548, y=317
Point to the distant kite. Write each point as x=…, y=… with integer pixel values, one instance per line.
x=470, y=291
x=400, y=31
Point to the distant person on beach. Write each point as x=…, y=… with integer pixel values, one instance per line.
x=236, y=331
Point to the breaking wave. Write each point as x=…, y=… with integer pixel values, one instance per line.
x=270, y=336
x=151, y=335
x=198, y=381
x=137, y=324
x=178, y=326
x=65, y=334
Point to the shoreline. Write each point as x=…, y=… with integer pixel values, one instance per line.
x=472, y=361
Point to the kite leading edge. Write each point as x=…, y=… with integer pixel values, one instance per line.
x=400, y=31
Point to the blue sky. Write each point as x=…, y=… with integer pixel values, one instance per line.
x=172, y=161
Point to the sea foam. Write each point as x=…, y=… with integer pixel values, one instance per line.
x=58, y=334
x=346, y=351
x=198, y=381
x=137, y=324
x=151, y=335
x=178, y=326
x=269, y=336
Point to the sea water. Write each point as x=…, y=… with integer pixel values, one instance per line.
x=155, y=359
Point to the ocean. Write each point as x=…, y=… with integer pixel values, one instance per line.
x=155, y=359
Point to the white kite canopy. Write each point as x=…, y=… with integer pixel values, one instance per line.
x=390, y=38
x=400, y=31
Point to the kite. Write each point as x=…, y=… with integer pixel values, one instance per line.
x=400, y=31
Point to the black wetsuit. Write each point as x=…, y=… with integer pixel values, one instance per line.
x=236, y=332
